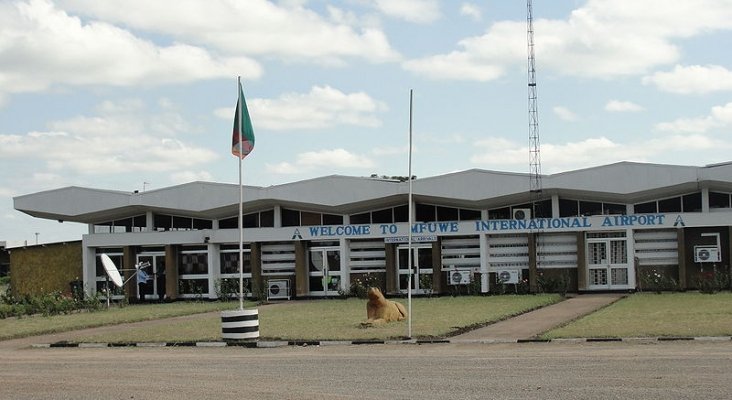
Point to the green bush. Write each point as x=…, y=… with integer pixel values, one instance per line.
x=713, y=281
x=553, y=284
x=655, y=281
x=360, y=286
x=47, y=304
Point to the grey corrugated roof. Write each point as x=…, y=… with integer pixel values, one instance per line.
x=621, y=182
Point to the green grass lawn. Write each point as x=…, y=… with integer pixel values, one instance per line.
x=656, y=315
x=28, y=326
x=334, y=319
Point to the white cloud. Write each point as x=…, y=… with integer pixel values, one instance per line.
x=419, y=11
x=693, y=79
x=482, y=58
x=322, y=107
x=322, y=159
x=190, y=176
x=622, y=106
x=108, y=143
x=391, y=150
x=719, y=116
x=49, y=47
x=502, y=154
x=601, y=39
x=565, y=113
x=252, y=27
x=471, y=10
x=337, y=158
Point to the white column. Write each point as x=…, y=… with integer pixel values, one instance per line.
x=89, y=267
x=345, y=265
x=214, y=268
x=484, y=272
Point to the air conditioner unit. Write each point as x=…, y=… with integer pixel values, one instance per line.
x=459, y=277
x=704, y=254
x=278, y=289
x=521, y=213
x=507, y=276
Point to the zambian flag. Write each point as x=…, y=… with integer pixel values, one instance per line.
x=242, y=141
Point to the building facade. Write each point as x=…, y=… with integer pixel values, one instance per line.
x=613, y=227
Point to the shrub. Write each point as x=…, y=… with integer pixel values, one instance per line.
x=553, y=284
x=227, y=288
x=47, y=304
x=713, y=281
x=360, y=286
x=654, y=280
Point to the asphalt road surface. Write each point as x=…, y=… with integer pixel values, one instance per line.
x=657, y=370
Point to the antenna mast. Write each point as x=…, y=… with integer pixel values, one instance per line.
x=534, y=154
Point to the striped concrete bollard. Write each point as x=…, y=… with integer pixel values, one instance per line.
x=240, y=324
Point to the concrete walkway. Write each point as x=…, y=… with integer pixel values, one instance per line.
x=534, y=323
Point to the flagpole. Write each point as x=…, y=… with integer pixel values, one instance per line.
x=241, y=199
x=409, y=229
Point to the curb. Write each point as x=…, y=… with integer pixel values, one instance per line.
x=318, y=343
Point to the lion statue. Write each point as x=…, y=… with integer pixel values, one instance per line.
x=379, y=310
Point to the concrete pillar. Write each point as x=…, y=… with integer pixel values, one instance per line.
x=581, y=262
x=681, y=244
x=392, y=285
x=255, y=258
x=532, y=262
x=437, y=275
x=129, y=259
x=171, y=271
x=301, y=269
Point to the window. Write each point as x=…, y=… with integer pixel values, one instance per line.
x=425, y=213
x=332, y=219
x=590, y=208
x=470, y=215
x=401, y=213
x=364, y=218
x=229, y=260
x=384, y=216
x=500, y=213
x=670, y=205
x=692, y=202
x=310, y=219
x=568, y=208
x=611, y=208
x=719, y=200
x=645, y=208
x=290, y=217
x=447, y=214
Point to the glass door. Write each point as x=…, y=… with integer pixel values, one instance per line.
x=607, y=264
x=151, y=279
x=324, y=271
x=422, y=271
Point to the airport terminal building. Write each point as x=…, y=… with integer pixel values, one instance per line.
x=605, y=228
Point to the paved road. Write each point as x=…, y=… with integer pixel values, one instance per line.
x=669, y=370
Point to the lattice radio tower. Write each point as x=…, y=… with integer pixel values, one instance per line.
x=534, y=154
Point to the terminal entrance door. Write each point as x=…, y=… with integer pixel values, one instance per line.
x=154, y=287
x=324, y=271
x=422, y=272
x=607, y=263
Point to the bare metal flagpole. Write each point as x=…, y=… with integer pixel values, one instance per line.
x=240, y=113
x=409, y=229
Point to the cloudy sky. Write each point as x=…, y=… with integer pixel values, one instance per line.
x=140, y=94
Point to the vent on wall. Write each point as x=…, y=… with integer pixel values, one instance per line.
x=459, y=277
x=705, y=254
x=521, y=213
x=508, y=276
x=278, y=289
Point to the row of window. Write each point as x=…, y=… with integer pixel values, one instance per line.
x=423, y=213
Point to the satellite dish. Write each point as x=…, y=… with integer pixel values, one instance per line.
x=111, y=270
